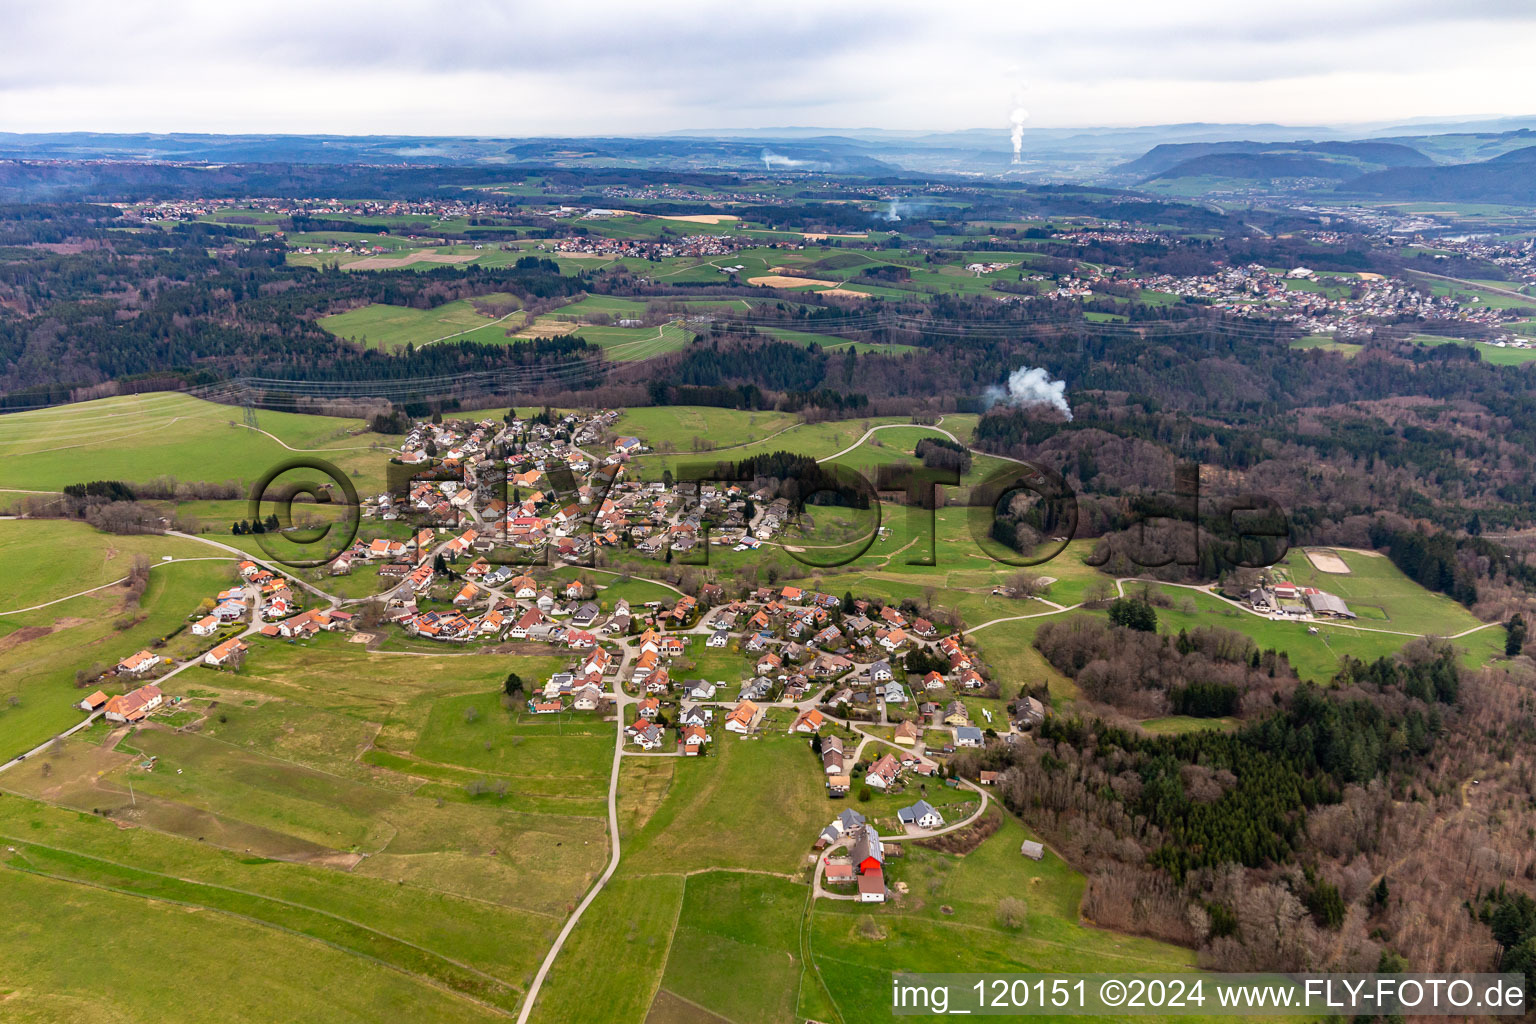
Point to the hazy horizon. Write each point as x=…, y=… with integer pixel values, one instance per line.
x=518, y=70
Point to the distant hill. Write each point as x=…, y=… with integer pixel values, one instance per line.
x=1257, y=167
x=1509, y=178
x=1282, y=159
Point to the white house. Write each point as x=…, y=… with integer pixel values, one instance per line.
x=922, y=814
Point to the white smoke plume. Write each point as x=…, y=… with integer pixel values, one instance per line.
x=893, y=211
x=1029, y=387
x=1017, y=118
x=771, y=160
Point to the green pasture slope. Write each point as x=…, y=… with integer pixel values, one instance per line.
x=139, y=438
x=353, y=819
x=702, y=924
x=393, y=327
x=628, y=344
x=41, y=650
x=678, y=426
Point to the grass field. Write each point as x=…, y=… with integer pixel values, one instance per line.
x=611, y=305
x=746, y=944
x=218, y=950
x=40, y=651
x=406, y=772
x=694, y=427
x=47, y=559
x=285, y=912
x=832, y=343
x=712, y=802
x=627, y=344
x=1490, y=353
x=143, y=437
x=1315, y=656
x=1374, y=584
x=393, y=327
x=1326, y=343
x=817, y=440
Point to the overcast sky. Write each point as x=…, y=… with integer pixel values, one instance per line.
x=506, y=67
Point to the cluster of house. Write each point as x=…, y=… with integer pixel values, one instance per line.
x=864, y=864
x=692, y=726
x=491, y=606
x=561, y=498
x=1258, y=292
x=641, y=248
x=261, y=589
x=268, y=592
x=306, y=624
x=583, y=685
x=233, y=604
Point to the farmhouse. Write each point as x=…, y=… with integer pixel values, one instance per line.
x=138, y=664
x=967, y=736
x=848, y=822
x=222, y=654
x=868, y=852
x=1321, y=603
x=134, y=705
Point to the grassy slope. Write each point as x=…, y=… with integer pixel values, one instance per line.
x=45, y=981
x=40, y=651
x=141, y=437
x=49, y=559
x=678, y=426
x=381, y=769
x=627, y=344
x=393, y=327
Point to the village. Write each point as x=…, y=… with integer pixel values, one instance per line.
x=880, y=695
x=1299, y=296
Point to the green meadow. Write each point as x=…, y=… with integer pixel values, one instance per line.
x=41, y=650
x=1491, y=354
x=628, y=344
x=48, y=559
x=690, y=427
x=143, y=437
x=485, y=318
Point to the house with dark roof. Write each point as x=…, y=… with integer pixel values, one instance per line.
x=922, y=815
